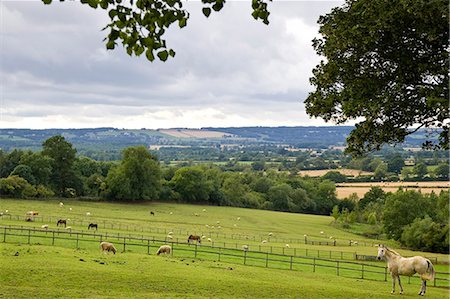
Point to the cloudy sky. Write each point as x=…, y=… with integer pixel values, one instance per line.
x=229, y=70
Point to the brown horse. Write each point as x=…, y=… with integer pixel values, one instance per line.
x=93, y=225
x=61, y=221
x=194, y=238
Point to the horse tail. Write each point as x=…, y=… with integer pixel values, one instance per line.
x=430, y=273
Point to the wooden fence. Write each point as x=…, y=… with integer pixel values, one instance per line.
x=230, y=255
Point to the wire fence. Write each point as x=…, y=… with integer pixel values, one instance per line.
x=182, y=249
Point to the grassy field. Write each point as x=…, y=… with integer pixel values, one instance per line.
x=344, y=171
x=65, y=270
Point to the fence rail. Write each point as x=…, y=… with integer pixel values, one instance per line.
x=183, y=249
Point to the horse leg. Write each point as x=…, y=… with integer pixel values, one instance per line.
x=393, y=284
x=424, y=287
x=400, y=285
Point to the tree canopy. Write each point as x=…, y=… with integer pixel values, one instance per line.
x=386, y=66
x=140, y=25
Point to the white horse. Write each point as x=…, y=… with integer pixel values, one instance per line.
x=407, y=266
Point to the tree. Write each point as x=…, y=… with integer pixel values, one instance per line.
x=191, y=184
x=279, y=196
x=141, y=24
x=136, y=178
x=395, y=164
x=375, y=194
x=420, y=170
x=381, y=171
x=335, y=176
x=387, y=64
x=41, y=167
x=441, y=171
x=63, y=157
x=426, y=235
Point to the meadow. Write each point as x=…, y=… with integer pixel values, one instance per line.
x=69, y=269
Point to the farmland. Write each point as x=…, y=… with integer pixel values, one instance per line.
x=344, y=171
x=345, y=189
x=180, y=276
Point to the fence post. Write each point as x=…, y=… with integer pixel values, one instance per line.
x=267, y=259
x=290, y=268
x=77, y=240
x=195, y=250
x=434, y=280
x=29, y=236
x=148, y=246
x=245, y=257
x=4, y=235
x=337, y=267
x=53, y=238
x=362, y=271
x=124, y=244
x=314, y=264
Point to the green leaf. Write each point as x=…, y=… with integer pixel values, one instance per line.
x=149, y=55
x=163, y=55
x=47, y=1
x=112, y=13
x=182, y=22
x=172, y=53
x=218, y=6
x=110, y=45
x=206, y=11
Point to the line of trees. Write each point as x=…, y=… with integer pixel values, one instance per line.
x=418, y=221
x=57, y=171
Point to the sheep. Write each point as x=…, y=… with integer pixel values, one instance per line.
x=245, y=247
x=204, y=210
x=321, y=232
x=68, y=227
x=331, y=237
x=196, y=214
x=239, y=218
x=169, y=237
x=209, y=240
x=305, y=235
x=106, y=246
x=61, y=205
x=219, y=227
x=235, y=225
x=212, y=226
x=218, y=222
x=287, y=246
x=164, y=249
x=203, y=236
x=45, y=226
x=170, y=233
x=6, y=211
x=70, y=209
x=270, y=234
x=206, y=225
x=264, y=241
x=171, y=213
x=88, y=213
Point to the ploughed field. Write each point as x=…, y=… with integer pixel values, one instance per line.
x=281, y=261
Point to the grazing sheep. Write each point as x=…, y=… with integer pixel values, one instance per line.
x=239, y=218
x=170, y=213
x=234, y=225
x=287, y=246
x=6, y=211
x=219, y=227
x=204, y=210
x=321, y=232
x=61, y=205
x=88, y=213
x=356, y=242
x=218, y=222
x=212, y=226
x=270, y=234
x=331, y=237
x=170, y=233
x=196, y=214
x=203, y=236
x=245, y=247
x=106, y=246
x=45, y=226
x=70, y=209
x=209, y=240
x=164, y=249
x=68, y=228
x=264, y=241
x=207, y=225
x=305, y=235
x=169, y=237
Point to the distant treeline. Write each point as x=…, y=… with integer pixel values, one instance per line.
x=57, y=171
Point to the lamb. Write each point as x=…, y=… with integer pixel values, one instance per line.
x=45, y=226
x=164, y=249
x=61, y=205
x=245, y=247
x=106, y=246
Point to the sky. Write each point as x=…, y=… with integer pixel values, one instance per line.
x=229, y=70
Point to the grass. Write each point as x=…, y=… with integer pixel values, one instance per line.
x=36, y=272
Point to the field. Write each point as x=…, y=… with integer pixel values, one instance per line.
x=344, y=171
x=192, y=133
x=75, y=270
x=345, y=189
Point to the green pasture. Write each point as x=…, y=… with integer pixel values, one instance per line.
x=208, y=274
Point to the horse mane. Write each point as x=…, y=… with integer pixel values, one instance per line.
x=392, y=251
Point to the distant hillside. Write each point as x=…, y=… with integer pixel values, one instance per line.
x=112, y=139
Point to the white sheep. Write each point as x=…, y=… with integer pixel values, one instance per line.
x=270, y=234
x=170, y=233
x=245, y=247
x=164, y=249
x=106, y=247
x=68, y=228
x=287, y=245
x=209, y=240
x=264, y=241
x=88, y=213
x=171, y=213
x=305, y=235
x=212, y=226
x=321, y=232
x=45, y=226
x=204, y=210
x=61, y=205
x=70, y=209
x=196, y=214
x=219, y=227
x=239, y=218
x=235, y=225
x=218, y=222
x=207, y=225
x=203, y=236
x=331, y=237
x=169, y=237
x=6, y=211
